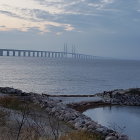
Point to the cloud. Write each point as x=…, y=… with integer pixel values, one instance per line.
x=15, y=23
x=20, y=17
x=68, y=15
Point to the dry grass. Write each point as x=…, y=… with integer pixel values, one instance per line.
x=76, y=135
x=11, y=102
x=3, y=117
x=80, y=135
x=20, y=104
x=9, y=130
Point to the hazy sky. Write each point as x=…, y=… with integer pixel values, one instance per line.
x=100, y=27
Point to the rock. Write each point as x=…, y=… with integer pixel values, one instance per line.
x=90, y=127
x=12, y=90
x=68, y=117
x=111, y=134
x=88, y=123
x=77, y=125
x=84, y=128
x=61, y=117
x=123, y=137
x=110, y=138
x=100, y=129
x=53, y=109
x=71, y=122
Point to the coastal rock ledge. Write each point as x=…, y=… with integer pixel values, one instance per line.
x=64, y=113
x=130, y=97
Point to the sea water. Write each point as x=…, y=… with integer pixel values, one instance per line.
x=68, y=76
x=124, y=119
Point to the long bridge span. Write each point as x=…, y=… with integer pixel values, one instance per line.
x=48, y=54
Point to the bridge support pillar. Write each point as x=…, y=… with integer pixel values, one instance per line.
x=14, y=53
x=19, y=53
x=1, y=52
x=45, y=54
x=24, y=54
x=37, y=54
x=41, y=54
x=55, y=55
x=61, y=55
x=29, y=54
x=49, y=54
x=33, y=54
x=8, y=53
x=52, y=55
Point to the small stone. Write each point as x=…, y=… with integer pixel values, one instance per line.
x=110, y=138
x=100, y=129
x=90, y=127
x=77, y=126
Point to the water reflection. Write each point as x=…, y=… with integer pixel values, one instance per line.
x=125, y=119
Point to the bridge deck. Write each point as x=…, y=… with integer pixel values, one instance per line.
x=38, y=53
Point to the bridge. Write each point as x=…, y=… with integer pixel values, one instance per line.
x=47, y=54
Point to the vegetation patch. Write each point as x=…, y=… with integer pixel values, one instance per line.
x=3, y=117
x=17, y=103
x=134, y=91
x=81, y=135
x=11, y=102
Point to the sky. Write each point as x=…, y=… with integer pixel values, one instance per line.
x=107, y=28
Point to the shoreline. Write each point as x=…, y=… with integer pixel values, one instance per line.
x=70, y=113
x=128, y=97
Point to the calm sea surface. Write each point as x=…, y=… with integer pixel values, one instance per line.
x=124, y=119
x=68, y=76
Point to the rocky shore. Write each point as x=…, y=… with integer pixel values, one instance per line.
x=77, y=120
x=129, y=97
